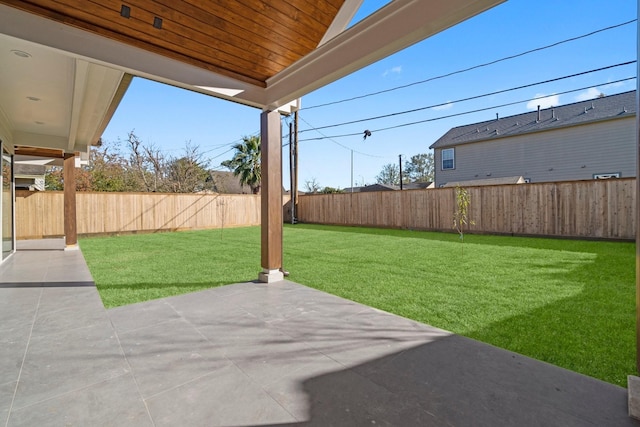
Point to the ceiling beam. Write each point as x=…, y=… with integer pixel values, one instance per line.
x=396, y=26
x=39, y=152
x=81, y=69
x=343, y=18
x=113, y=105
x=29, y=139
x=104, y=88
x=5, y=128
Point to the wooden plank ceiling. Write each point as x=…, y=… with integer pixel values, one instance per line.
x=249, y=40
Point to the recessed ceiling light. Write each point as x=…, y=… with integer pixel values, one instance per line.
x=21, y=53
x=33, y=98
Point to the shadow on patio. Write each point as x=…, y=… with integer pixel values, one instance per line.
x=253, y=354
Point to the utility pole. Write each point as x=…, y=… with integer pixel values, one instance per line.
x=291, y=173
x=295, y=167
x=352, y=171
x=400, y=157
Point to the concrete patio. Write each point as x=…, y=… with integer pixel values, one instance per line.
x=253, y=354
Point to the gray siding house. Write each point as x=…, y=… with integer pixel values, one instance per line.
x=580, y=141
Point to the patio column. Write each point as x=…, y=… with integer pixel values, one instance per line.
x=271, y=197
x=69, y=176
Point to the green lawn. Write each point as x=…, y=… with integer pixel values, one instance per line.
x=567, y=302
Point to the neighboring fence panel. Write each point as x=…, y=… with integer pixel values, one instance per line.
x=593, y=209
x=41, y=214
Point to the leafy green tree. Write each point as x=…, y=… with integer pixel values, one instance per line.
x=420, y=168
x=389, y=175
x=141, y=167
x=246, y=162
x=107, y=170
x=53, y=179
x=331, y=190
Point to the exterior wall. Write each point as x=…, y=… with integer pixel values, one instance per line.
x=572, y=153
x=29, y=183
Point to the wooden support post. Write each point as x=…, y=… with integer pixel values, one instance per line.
x=294, y=192
x=271, y=197
x=70, y=228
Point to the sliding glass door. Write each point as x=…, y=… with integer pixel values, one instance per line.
x=7, y=203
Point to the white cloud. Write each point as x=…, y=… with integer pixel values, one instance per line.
x=394, y=70
x=544, y=101
x=615, y=85
x=446, y=106
x=590, y=93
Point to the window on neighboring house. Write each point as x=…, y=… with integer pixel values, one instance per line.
x=448, y=159
x=606, y=175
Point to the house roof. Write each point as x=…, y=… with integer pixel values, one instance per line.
x=579, y=113
x=386, y=187
x=29, y=170
x=372, y=187
x=416, y=185
x=227, y=183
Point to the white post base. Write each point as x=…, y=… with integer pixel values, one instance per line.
x=72, y=247
x=269, y=276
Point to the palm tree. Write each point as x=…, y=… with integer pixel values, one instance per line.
x=246, y=162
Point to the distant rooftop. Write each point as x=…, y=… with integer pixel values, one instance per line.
x=227, y=183
x=583, y=112
x=21, y=169
x=387, y=187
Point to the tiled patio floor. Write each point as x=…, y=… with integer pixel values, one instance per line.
x=253, y=354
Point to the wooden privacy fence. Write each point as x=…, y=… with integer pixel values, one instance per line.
x=592, y=209
x=41, y=214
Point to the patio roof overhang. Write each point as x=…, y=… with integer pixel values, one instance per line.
x=265, y=54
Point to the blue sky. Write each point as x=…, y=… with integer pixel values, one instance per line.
x=168, y=117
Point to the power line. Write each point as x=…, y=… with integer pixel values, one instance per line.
x=467, y=112
x=222, y=154
x=341, y=145
x=469, y=98
x=464, y=70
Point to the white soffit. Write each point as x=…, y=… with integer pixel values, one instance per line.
x=47, y=97
x=102, y=90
